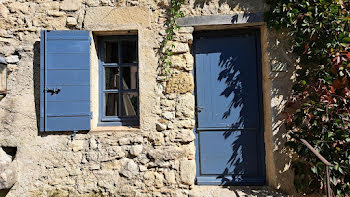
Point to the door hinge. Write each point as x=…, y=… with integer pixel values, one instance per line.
x=91, y=114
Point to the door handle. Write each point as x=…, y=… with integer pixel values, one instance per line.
x=53, y=91
x=199, y=109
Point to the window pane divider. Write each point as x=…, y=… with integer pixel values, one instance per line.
x=120, y=104
x=119, y=64
x=121, y=91
x=119, y=38
x=111, y=91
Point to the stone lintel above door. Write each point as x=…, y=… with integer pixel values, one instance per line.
x=239, y=18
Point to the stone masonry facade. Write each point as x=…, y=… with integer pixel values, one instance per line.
x=156, y=159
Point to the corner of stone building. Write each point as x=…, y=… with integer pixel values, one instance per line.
x=278, y=75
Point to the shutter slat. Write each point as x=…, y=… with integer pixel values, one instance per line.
x=68, y=77
x=67, y=46
x=67, y=123
x=66, y=60
x=71, y=93
x=65, y=65
x=70, y=107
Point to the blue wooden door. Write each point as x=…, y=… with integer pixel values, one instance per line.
x=230, y=145
x=65, y=81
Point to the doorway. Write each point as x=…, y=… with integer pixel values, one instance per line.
x=229, y=108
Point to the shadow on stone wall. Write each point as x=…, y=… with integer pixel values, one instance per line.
x=36, y=81
x=246, y=6
x=254, y=191
x=283, y=63
x=4, y=192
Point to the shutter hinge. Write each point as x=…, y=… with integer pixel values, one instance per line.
x=91, y=114
x=90, y=40
x=72, y=137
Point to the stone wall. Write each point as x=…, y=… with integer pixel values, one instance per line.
x=158, y=159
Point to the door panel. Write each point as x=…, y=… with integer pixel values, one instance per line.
x=230, y=146
x=229, y=108
x=226, y=73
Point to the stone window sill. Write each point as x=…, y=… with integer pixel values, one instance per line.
x=115, y=129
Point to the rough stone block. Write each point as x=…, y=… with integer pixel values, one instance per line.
x=107, y=16
x=185, y=38
x=71, y=5
x=186, y=30
x=182, y=61
x=187, y=171
x=55, y=13
x=167, y=153
x=180, y=83
x=170, y=177
x=92, y=3
x=178, y=47
x=149, y=178
x=60, y=172
x=185, y=106
x=159, y=179
x=167, y=103
x=130, y=169
x=12, y=67
x=156, y=138
x=71, y=21
x=112, y=165
x=4, y=158
x=50, y=5
x=160, y=126
x=111, y=153
x=77, y=145
x=136, y=150
x=12, y=59
x=17, y=6
x=124, y=141
x=185, y=136
x=93, y=143
x=8, y=171
x=137, y=139
x=168, y=115
x=3, y=11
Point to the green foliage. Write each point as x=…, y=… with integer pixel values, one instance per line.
x=321, y=97
x=174, y=12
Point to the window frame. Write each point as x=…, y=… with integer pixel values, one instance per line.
x=116, y=120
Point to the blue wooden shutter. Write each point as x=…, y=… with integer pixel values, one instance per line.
x=65, y=81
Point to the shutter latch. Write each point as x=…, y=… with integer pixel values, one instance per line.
x=53, y=91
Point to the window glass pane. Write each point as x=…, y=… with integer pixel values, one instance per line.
x=112, y=54
x=111, y=78
x=130, y=104
x=112, y=101
x=129, y=76
x=128, y=51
